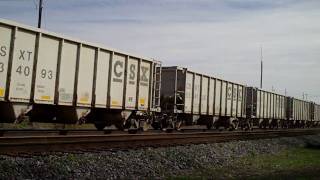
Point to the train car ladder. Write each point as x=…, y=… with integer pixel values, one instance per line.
x=156, y=86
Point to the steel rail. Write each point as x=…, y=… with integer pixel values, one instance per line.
x=77, y=143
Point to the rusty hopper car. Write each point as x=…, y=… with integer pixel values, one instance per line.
x=51, y=77
x=192, y=98
x=300, y=112
x=265, y=108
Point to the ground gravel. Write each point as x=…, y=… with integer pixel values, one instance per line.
x=150, y=163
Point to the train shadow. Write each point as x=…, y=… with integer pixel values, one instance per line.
x=313, y=145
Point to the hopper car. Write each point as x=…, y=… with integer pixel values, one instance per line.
x=190, y=98
x=49, y=77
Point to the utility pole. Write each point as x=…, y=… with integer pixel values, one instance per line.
x=261, y=67
x=40, y=14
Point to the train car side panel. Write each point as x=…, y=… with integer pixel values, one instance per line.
x=144, y=85
x=303, y=109
x=265, y=105
x=268, y=104
x=258, y=115
x=46, y=70
x=272, y=106
x=5, y=44
x=299, y=110
x=243, y=102
x=196, y=94
x=280, y=104
x=211, y=96
x=279, y=107
x=229, y=98
x=240, y=100
x=217, y=99
x=85, y=76
x=117, y=81
x=168, y=78
x=306, y=111
x=294, y=112
x=188, y=93
x=131, y=92
x=22, y=66
x=276, y=105
x=263, y=111
x=261, y=104
x=67, y=73
x=102, y=77
x=318, y=113
x=234, y=100
x=223, y=98
x=204, y=95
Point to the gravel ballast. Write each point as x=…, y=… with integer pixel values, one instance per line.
x=149, y=162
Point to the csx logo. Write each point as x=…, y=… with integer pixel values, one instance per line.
x=229, y=93
x=234, y=94
x=3, y=51
x=118, y=71
x=144, y=80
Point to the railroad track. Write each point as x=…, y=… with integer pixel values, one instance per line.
x=35, y=144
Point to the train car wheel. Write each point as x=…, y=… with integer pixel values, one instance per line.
x=156, y=125
x=209, y=124
x=235, y=124
x=119, y=126
x=100, y=125
x=178, y=125
x=145, y=126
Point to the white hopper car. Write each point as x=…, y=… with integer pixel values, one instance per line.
x=51, y=77
x=266, y=108
x=192, y=98
x=300, y=112
x=316, y=114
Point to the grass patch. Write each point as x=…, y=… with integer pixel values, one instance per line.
x=298, y=163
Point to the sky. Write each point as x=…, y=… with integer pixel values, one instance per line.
x=215, y=37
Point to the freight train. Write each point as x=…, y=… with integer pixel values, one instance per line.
x=47, y=77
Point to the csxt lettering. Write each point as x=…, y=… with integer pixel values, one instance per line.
x=132, y=72
x=25, y=54
x=144, y=77
x=3, y=51
x=117, y=70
